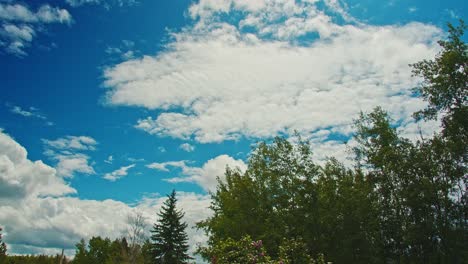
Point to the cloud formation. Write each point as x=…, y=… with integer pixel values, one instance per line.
x=205, y=176
x=39, y=216
x=187, y=147
x=260, y=76
x=19, y=24
x=68, y=153
x=118, y=174
x=21, y=178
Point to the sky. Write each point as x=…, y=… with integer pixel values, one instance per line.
x=108, y=105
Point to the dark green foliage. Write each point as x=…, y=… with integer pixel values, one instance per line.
x=102, y=250
x=37, y=259
x=273, y=199
x=169, y=240
x=3, y=248
x=445, y=88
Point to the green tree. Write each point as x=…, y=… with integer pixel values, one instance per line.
x=3, y=248
x=274, y=199
x=444, y=87
x=169, y=239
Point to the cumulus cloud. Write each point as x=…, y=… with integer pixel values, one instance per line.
x=21, y=178
x=68, y=153
x=231, y=82
x=38, y=216
x=118, y=174
x=19, y=24
x=205, y=176
x=187, y=147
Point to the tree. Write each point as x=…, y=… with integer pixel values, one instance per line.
x=444, y=87
x=136, y=235
x=3, y=248
x=169, y=239
x=274, y=199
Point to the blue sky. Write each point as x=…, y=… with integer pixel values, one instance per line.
x=113, y=103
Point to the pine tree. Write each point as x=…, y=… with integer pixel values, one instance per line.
x=169, y=240
x=3, y=248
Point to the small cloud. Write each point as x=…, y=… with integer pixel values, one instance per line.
x=118, y=174
x=187, y=147
x=164, y=166
x=412, y=9
x=33, y=112
x=109, y=160
x=452, y=13
x=72, y=143
x=162, y=149
x=135, y=160
x=125, y=50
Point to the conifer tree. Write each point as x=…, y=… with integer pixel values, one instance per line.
x=3, y=248
x=169, y=239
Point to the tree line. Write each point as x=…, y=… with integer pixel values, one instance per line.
x=402, y=201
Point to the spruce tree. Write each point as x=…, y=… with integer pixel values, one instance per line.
x=169, y=240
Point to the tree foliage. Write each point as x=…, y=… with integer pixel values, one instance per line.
x=3, y=248
x=169, y=239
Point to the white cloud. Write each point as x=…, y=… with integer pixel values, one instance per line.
x=45, y=14
x=187, y=147
x=231, y=86
x=67, y=152
x=105, y=3
x=21, y=177
x=125, y=51
x=69, y=164
x=162, y=149
x=19, y=24
x=72, y=143
x=109, y=159
x=163, y=166
x=31, y=112
x=205, y=176
x=118, y=174
x=38, y=217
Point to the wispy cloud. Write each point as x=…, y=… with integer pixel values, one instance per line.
x=105, y=3
x=125, y=51
x=31, y=112
x=118, y=174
